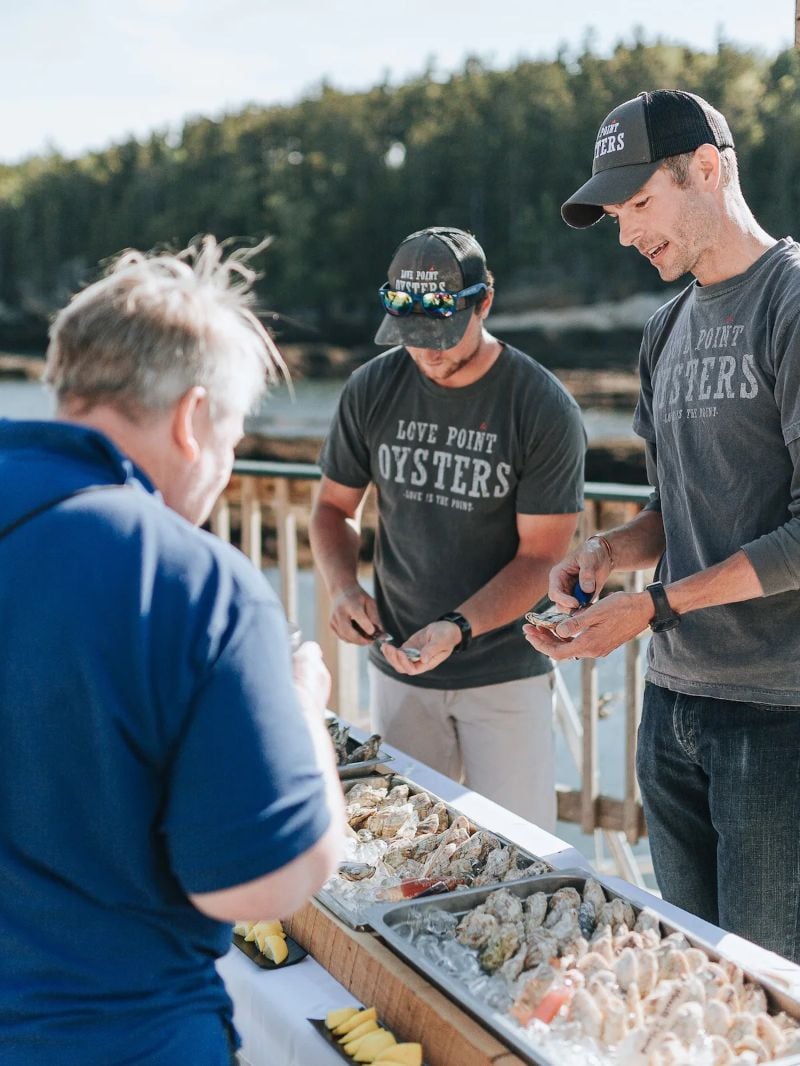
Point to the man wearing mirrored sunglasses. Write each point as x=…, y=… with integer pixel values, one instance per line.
x=476, y=452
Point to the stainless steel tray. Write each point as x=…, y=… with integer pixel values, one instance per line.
x=347, y=914
x=385, y=918
x=350, y=770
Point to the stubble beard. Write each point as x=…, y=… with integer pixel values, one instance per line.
x=450, y=369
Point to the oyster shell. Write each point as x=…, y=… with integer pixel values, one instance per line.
x=500, y=946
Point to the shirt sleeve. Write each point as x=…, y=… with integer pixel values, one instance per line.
x=345, y=455
x=643, y=415
x=245, y=796
x=775, y=557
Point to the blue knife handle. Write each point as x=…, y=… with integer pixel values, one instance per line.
x=583, y=598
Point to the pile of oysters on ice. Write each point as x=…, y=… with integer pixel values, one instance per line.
x=592, y=967
x=410, y=841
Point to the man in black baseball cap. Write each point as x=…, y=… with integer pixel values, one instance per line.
x=476, y=452
x=425, y=265
x=719, y=411
x=632, y=143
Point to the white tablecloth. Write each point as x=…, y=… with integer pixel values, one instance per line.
x=271, y=1006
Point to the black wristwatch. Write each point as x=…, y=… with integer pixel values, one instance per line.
x=665, y=618
x=463, y=625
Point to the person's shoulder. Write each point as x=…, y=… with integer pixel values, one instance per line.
x=530, y=375
x=373, y=385
x=663, y=314
x=787, y=252
x=181, y=554
x=379, y=368
x=784, y=265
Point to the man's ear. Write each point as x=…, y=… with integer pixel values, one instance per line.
x=486, y=305
x=187, y=417
x=708, y=166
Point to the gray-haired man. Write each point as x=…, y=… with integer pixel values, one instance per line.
x=157, y=777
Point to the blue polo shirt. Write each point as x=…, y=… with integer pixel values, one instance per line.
x=150, y=746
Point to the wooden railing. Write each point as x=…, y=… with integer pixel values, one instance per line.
x=265, y=510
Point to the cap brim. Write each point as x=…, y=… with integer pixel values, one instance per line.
x=612, y=186
x=422, y=331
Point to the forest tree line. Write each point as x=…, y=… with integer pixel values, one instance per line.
x=338, y=179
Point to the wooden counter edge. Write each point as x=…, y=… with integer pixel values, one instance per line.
x=408, y=1004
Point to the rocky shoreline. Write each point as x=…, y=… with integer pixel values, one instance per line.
x=613, y=459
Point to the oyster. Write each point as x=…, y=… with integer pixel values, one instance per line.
x=396, y=796
x=647, y=919
x=566, y=898
x=593, y=893
x=366, y=751
x=500, y=947
x=534, y=910
x=517, y=873
x=497, y=863
x=339, y=735
x=475, y=928
x=422, y=803
x=542, y=947
x=356, y=871
x=587, y=918
x=392, y=822
x=513, y=967
x=428, y=824
x=504, y=906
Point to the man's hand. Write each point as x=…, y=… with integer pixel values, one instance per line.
x=311, y=678
x=354, y=616
x=589, y=565
x=597, y=630
x=435, y=643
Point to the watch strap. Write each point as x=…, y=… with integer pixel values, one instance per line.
x=665, y=618
x=462, y=623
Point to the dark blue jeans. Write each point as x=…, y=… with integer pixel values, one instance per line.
x=720, y=785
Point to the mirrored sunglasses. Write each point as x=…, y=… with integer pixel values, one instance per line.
x=434, y=304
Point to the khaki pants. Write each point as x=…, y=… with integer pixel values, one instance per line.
x=496, y=739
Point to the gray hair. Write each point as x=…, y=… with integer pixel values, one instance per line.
x=158, y=324
x=678, y=167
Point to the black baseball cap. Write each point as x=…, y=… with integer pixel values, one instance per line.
x=439, y=257
x=632, y=142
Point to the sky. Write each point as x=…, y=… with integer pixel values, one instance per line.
x=82, y=75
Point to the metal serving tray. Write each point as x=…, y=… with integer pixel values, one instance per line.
x=347, y=914
x=385, y=918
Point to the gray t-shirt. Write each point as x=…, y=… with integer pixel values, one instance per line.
x=452, y=468
x=720, y=409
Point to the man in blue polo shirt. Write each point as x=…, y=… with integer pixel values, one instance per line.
x=162, y=772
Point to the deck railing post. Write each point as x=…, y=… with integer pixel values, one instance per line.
x=221, y=519
x=286, y=527
x=589, y=774
x=340, y=658
x=631, y=816
x=251, y=521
